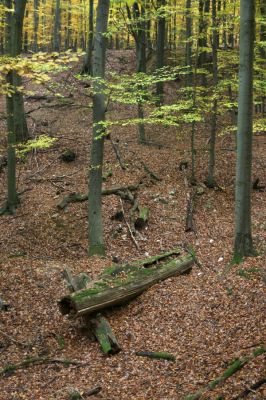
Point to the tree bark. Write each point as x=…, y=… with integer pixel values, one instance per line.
x=243, y=245
x=96, y=240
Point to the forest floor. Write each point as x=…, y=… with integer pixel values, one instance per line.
x=205, y=319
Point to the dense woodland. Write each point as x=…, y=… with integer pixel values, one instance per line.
x=132, y=209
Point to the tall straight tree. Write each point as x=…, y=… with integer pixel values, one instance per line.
x=57, y=27
x=36, y=25
x=243, y=245
x=160, y=46
x=138, y=31
x=87, y=67
x=16, y=119
x=215, y=44
x=96, y=240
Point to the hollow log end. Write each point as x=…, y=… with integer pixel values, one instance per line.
x=66, y=306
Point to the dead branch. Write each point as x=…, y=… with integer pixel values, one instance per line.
x=128, y=227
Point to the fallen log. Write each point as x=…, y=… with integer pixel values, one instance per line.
x=118, y=285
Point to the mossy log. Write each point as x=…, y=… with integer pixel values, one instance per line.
x=118, y=285
x=158, y=355
x=234, y=367
x=104, y=334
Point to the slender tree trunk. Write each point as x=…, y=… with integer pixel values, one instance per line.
x=188, y=43
x=224, y=26
x=87, y=68
x=231, y=36
x=57, y=27
x=96, y=240
x=204, y=9
x=215, y=41
x=243, y=245
x=36, y=25
x=263, y=28
x=160, y=48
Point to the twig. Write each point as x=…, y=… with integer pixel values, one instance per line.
x=21, y=344
x=128, y=226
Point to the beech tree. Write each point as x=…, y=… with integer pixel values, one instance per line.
x=16, y=118
x=96, y=240
x=243, y=245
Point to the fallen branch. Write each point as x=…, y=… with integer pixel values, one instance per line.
x=150, y=172
x=117, y=153
x=128, y=226
x=10, y=368
x=77, y=197
x=234, y=367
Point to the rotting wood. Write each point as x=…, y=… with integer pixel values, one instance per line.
x=142, y=217
x=104, y=334
x=159, y=355
x=118, y=286
x=234, y=367
x=97, y=325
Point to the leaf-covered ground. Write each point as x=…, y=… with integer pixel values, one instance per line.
x=205, y=319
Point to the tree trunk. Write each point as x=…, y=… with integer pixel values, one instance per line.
x=57, y=27
x=36, y=25
x=215, y=42
x=188, y=43
x=16, y=119
x=204, y=9
x=96, y=241
x=160, y=48
x=243, y=239
x=87, y=68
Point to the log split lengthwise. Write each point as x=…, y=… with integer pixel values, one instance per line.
x=119, y=284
